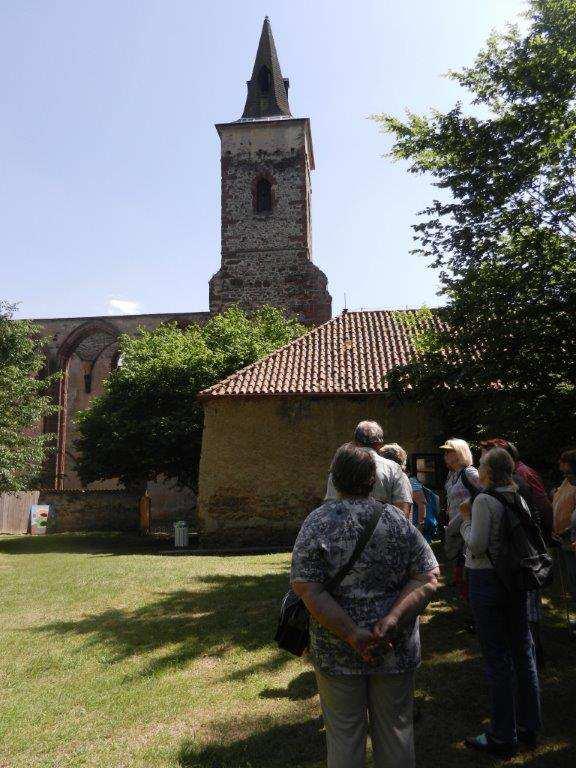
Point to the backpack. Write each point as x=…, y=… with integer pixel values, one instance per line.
x=523, y=562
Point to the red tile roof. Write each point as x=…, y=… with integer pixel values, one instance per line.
x=350, y=354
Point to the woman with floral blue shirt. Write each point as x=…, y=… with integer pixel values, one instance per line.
x=364, y=637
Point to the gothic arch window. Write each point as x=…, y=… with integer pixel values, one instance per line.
x=264, y=79
x=80, y=359
x=263, y=196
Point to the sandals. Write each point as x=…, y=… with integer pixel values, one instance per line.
x=487, y=744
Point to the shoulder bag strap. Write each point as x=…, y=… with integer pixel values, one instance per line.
x=467, y=483
x=497, y=495
x=519, y=507
x=365, y=537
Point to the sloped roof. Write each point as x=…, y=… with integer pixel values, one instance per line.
x=275, y=100
x=350, y=354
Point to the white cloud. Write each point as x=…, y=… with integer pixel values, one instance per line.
x=118, y=306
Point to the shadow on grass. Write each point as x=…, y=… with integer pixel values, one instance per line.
x=452, y=695
x=112, y=543
x=229, y=612
x=239, y=612
x=451, y=698
x=300, y=688
x=119, y=543
x=298, y=744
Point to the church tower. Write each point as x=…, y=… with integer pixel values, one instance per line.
x=266, y=159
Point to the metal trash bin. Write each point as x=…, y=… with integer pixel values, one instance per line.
x=181, y=534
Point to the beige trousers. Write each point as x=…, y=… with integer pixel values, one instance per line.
x=350, y=702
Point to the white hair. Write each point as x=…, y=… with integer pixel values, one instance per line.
x=462, y=450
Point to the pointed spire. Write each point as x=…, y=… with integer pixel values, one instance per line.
x=267, y=89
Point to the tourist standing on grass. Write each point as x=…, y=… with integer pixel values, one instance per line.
x=501, y=616
x=461, y=484
x=564, y=510
x=391, y=486
x=531, y=488
x=364, y=637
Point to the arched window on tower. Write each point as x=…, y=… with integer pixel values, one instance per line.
x=263, y=196
x=264, y=79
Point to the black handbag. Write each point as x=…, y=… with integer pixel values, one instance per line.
x=293, y=631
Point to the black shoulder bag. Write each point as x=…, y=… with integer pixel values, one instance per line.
x=293, y=631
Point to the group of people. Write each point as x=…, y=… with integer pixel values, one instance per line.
x=364, y=633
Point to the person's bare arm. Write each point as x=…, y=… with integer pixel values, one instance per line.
x=401, y=493
x=333, y=617
x=411, y=602
x=420, y=501
x=405, y=507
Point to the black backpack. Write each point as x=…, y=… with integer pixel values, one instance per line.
x=523, y=562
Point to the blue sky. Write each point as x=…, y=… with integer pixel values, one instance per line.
x=109, y=183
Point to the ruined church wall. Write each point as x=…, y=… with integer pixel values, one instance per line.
x=79, y=511
x=75, y=346
x=57, y=330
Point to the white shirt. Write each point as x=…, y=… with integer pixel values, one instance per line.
x=392, y=485
x=456, y=491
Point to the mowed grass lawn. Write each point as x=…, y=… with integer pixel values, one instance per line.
x=114, y=657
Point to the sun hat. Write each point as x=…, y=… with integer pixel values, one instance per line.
x=449, y=445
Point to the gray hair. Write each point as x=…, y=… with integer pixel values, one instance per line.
x=368, y=433
x=394, y=452
x=500, y=465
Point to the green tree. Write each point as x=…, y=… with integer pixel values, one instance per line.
x=23, y=402
x=148, y=422
x=503, y=234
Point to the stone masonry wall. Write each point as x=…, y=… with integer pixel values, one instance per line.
x=285, y=279
x=75, y=346
x=265, y=460
x=59, y=330
x=266, y=257
x=92, y=510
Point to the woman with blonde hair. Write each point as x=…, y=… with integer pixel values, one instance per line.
x=462, y=484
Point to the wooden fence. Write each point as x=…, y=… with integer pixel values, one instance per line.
x=14, y=510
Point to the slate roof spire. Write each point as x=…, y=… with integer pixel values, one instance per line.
x=267, y=89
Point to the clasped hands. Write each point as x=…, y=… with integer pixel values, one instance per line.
x=383, y=635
